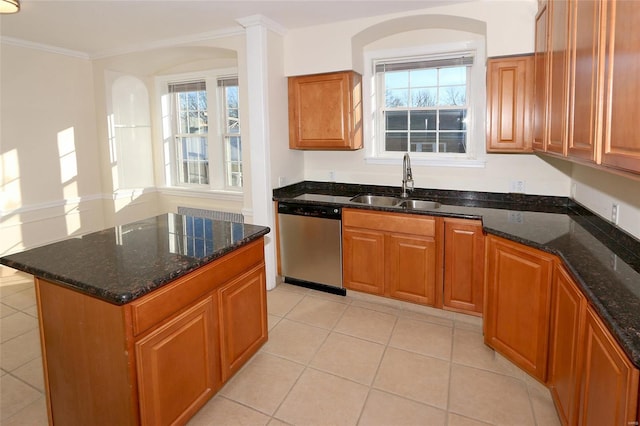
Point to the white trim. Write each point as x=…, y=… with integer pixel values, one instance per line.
x=52, y=204
x=257, y=63
x=440, y=162
x=476, y=156
x=170, y=42
x=217, y=179
x=44, y=47
x=263, y=21
x=194, y=193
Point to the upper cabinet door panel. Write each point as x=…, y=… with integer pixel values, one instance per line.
x=509, y=104
x=558, y=77
x=541, y=72
x=325, y=111
x=621, y=142
x=585, y=90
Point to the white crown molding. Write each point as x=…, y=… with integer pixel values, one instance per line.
x=170, y=42
x=44, y=47
x=270, y=24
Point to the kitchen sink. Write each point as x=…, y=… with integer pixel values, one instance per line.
x=390, y=201
x=419, y=204
x=376, y=200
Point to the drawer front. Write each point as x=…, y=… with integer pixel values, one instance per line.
x=390, y=222
x=160, y=304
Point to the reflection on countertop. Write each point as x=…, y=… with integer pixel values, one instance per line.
x=122, y=263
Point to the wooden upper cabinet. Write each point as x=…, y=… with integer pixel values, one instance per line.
x=541, y=73
x=517, y=305
x=558, y=76
x=585, y=87
x=463, y=288
x=510, y=104
x=621, y=143
x=325, y=111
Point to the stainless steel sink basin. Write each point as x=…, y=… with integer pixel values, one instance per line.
x=419, y=204
x=376, y=200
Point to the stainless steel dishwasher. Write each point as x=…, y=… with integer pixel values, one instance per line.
x=311, y=246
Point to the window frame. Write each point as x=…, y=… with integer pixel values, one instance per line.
x=215, y=133
x=476, y=104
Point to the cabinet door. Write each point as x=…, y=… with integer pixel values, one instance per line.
x=411, y=268
x=243, y=319
x=584, y=71
x=325, y=111
x=609, y=384
x=621, y=145
x=566, y=331
x=558, y=84
x=363, y=260
x=178, y=366
x=518, y=304
x=541, y=83
x=463, y=266
x=509, y=104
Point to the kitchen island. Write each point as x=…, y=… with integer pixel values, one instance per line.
x=142, y=323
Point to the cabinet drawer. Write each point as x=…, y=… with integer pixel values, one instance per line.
x=160, y=304
x=390, y=222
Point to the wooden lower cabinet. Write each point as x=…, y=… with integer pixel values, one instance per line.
x=156, y=360
x=518, y=303
x=392, y=254
x=463, y=288
x=567, y=324
x=363, y=258
x=181, y=354
x=410, y=263
x=608, y=382
x=243, y=320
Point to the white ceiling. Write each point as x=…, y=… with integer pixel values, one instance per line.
x=101, y=28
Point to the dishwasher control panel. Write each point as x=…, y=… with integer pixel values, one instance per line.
x=329, y=212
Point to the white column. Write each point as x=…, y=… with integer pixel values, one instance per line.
x=256, y=28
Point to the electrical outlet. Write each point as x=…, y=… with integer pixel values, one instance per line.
x=615, y=213
x=282, y=181
x=332, y=176
x=574, y=189
x=517, y=186
x=515, y=217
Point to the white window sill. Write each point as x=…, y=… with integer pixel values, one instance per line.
x=202, y=193
x=440, y=162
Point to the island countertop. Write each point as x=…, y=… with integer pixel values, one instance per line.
x=123, y=263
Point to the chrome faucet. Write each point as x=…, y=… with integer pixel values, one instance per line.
x=407, y=176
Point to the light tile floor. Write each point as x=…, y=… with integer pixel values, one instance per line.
x=330, y=360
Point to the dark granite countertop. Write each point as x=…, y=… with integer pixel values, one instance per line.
x=603, y=259
x=121, y=264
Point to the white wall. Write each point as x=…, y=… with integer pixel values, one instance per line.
x=509, y=30
x=128, y=205
x=51, y=186
x=598, y=190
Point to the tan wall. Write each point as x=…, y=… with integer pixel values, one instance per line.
x=48, y=146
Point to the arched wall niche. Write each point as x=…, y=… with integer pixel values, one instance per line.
x=411, y=23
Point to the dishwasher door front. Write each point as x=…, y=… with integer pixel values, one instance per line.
x=311, y=251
